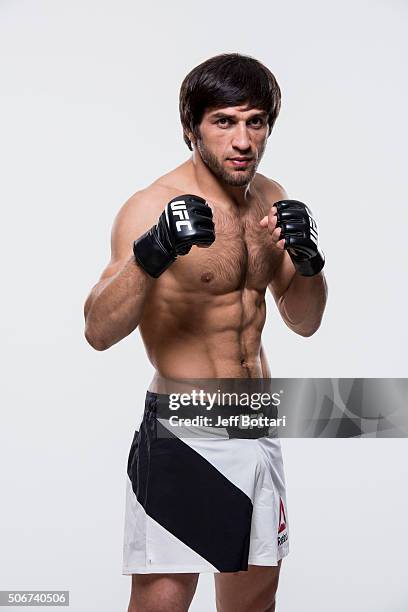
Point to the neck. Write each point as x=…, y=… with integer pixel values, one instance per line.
x=215, y=189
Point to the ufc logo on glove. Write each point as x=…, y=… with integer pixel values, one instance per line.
x=179, y=209
x=160, y=246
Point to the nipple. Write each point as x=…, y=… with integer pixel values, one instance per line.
x=207, y=277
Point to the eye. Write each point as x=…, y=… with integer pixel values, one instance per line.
x=257, y=122
x=223, y=121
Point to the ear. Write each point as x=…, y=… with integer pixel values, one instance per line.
x=192, y=138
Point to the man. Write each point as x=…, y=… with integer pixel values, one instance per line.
x=201, y=312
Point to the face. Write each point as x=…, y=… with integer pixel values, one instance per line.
x=231, y=142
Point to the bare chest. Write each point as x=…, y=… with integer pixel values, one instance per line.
x=242, y=256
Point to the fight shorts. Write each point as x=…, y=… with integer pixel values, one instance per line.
x=197, y=504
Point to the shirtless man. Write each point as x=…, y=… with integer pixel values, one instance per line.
x=194, y=283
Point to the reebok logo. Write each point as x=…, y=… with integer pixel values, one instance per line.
x=282, y=524
x=179, y=210
x=282, y=517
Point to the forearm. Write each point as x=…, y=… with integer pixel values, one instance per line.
x=115, y=305
x=303, y=303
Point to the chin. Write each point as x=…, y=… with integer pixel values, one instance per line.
x=239, y=179
x=242, y=183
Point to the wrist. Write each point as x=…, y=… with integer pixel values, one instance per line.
x=151, y=255
x=312, y=266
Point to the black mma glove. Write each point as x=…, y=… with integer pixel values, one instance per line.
x=186, y=220
x=300, y=232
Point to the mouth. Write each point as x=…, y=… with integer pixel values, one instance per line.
x=240, y=162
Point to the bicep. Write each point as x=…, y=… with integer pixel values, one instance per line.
x=135, y=216
x=132, y=220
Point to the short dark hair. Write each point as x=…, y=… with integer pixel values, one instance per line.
x=229, y=79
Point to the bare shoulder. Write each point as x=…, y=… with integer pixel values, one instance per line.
x=270, y=190
x=140, y=211
x=143, y=208
x=144, y=205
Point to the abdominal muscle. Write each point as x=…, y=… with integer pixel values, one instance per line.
x=193, y=336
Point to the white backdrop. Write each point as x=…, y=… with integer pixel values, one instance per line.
x=89, y=114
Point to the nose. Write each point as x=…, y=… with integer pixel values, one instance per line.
x=241, y=139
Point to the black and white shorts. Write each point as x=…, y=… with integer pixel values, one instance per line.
x=202, y=504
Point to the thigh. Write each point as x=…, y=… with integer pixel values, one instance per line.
x=162, y=592
x=251, y=591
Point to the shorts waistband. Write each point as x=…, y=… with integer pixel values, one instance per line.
x=158, y=406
